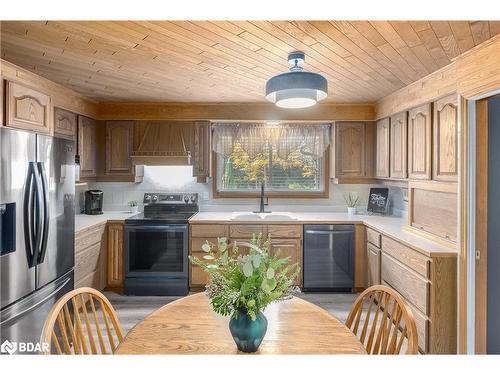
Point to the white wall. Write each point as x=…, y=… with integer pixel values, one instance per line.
x=179, y=179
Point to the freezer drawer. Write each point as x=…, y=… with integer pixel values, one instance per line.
x=23, y=321
x=328, y=257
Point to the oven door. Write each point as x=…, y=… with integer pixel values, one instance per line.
x=156, y=250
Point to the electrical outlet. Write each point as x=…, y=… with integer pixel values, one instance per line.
x=206, y=195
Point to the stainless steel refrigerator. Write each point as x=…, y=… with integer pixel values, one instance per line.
x=37, y=225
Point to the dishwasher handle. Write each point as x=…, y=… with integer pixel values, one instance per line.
x=310, y=231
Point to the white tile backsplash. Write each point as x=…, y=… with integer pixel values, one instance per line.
x=179, y=179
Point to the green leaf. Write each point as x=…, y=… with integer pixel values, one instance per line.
x=256, y=259
x=224, y=257
x=271, y=283
x=208, y=257
x=205, y=247
x=247, y=269
x=212, y=266
x=270, y=273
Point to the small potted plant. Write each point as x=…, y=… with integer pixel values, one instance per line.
x=134, y=206
x=352, y=200
x=242, y=285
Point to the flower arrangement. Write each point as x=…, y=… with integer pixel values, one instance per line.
x=246, y=283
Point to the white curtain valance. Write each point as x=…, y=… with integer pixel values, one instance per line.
x=254, y=138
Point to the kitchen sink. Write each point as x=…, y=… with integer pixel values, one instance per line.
x=250, y=216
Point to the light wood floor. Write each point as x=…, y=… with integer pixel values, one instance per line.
x=132, y=309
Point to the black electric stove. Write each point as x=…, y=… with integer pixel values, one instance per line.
x=156, y=245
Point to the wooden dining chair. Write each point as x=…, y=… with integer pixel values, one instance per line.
x=83, y=321
x=383, y=322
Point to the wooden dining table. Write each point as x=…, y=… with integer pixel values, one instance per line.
x=190, y=326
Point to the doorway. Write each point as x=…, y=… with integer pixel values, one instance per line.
x=487, y=227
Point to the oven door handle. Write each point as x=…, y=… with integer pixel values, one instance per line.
x=156, y=227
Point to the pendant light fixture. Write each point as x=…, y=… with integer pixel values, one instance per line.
x=296, y=88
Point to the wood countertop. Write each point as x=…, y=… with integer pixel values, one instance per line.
x=390, y=226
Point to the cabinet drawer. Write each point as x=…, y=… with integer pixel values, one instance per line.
x=406, y=282
x=373, y=237
x=88, y=237
x=208, y=230
x=245, y=231
x=409, y=257
x=197, y=276
x=284, y=231
x=196, y=244
x=422, y=323
x=88, y=261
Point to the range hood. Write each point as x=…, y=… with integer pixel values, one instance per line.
x=163, y=158
x=163, y=143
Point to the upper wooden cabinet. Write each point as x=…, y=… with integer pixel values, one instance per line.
x=419, y=142
x=65, y=124
x=27, y=109
x=353, y=150
x=86, y=147
x=445, y=139
x=382, y=168
x=201, y=151
x=119, y=141
x=398, y=145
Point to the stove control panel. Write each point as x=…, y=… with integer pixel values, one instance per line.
x=171, y=198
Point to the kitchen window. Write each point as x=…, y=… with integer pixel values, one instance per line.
x=291, y=159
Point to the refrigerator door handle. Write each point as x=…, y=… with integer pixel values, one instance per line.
x=32, y=229
x=46, y=218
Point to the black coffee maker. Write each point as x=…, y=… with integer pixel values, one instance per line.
x=93, y=202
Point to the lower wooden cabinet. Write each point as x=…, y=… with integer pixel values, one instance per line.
x=90, y=258
x=373, y=255
x=292, y=248
x=115, y=236
x=428, y=286
x=285, y=238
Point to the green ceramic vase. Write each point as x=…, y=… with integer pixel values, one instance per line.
x=247, y=333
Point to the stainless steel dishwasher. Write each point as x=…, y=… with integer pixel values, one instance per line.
x=328, y=257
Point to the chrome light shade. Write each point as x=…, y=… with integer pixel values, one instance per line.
x=296, y=89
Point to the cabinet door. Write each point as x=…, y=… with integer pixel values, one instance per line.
x=201, y=150
x=445, y=139
x=27, y=109
x=350, y=146
x=419, y=142
x=115, y=255
x=119, y=138
x=65, y=123
x=383, y=142
x=373, y=254
x=289, y=248
x=87, y=146
x=398, y=145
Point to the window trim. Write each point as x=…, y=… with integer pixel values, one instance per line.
x=274, y=194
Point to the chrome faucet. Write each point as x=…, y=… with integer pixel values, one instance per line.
x=262, y=204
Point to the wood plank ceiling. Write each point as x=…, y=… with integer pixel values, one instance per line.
x=226, y=61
